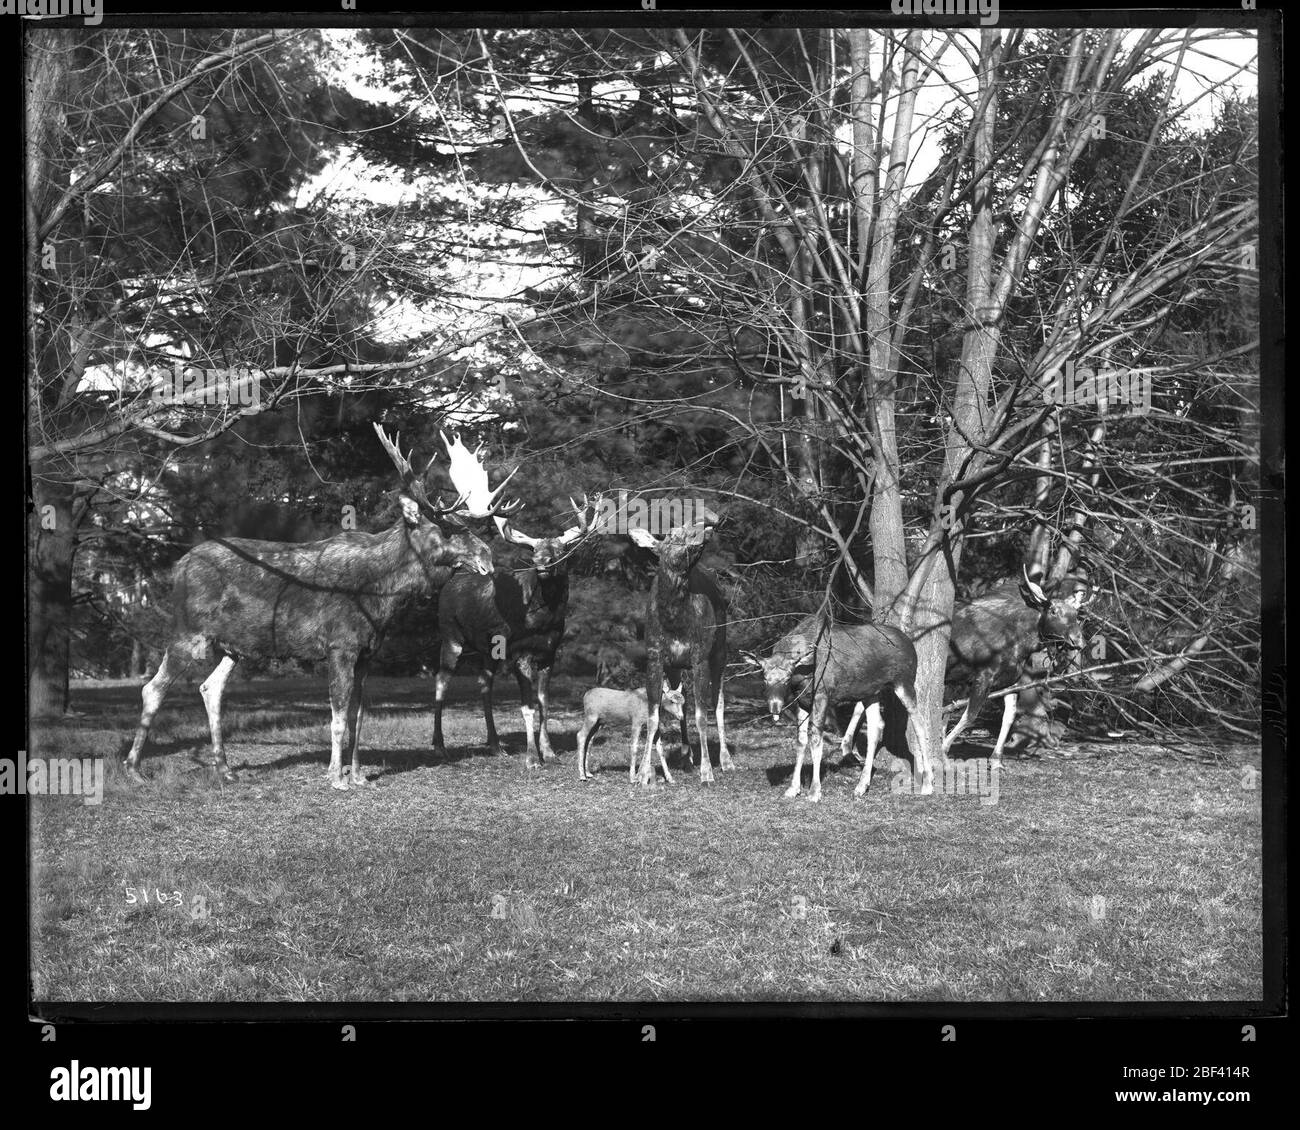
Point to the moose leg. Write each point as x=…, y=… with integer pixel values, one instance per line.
x=356, y=710
x=663, y=761
x=486, y=681
x=343, y=671
x=718, y=668
x=962, y=723
x=447, y=660
x=875, y=727
x=700, y=671
x=647, y=772
x=820, y=705
x=724, y=754
x=920, y=737
x=850, y=731
x=978, y=692
x=797, y=779
x=654, y=685
x=544, y=713
x=174, y=664
x=526, y=677
x=212, y=688
x=685, y=740
x=584, y=737
x=1009, y=705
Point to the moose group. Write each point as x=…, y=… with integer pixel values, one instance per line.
x=334, y=600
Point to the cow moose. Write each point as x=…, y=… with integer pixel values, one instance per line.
x=820, y=665
x=686, y=627
x=1001, y=638
x=993, y=638
x=511, y=621
x=236, y=598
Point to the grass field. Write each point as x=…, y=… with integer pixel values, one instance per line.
x=1113, y=873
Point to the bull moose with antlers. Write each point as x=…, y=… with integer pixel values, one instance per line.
x=236, y=598
x=511, y=621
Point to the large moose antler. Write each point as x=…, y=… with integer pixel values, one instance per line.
x=471, y=479
x=585, y=520
x=412, y=482
x=584, y=524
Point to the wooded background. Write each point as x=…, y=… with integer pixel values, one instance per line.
x=819, y=278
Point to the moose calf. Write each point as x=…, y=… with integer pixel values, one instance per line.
x=604, y=704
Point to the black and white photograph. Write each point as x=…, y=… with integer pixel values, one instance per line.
x=661, y=508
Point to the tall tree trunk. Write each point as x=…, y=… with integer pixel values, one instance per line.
x=932, y=623
x=887, y=541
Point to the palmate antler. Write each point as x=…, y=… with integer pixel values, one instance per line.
x=412, y=482
x=470, y=478
x=585, y=524
x=587, y=512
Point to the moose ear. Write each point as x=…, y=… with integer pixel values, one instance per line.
x=643, y=537
x=410, y=510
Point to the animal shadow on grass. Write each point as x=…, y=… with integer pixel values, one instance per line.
x=832, y=764
x=610, y=754
x=377, y=762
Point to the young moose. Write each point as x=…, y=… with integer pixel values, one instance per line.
x=334, y=599
x=602, y=705
x=685, y=626
x=820, y=666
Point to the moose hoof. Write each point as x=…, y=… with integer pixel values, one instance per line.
x=134, y=775
x=361, y=781
x=861, y=790
x=814, y=798
x=339, y=783
x=792, y=791
x=229, y=776
x=438, y=750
